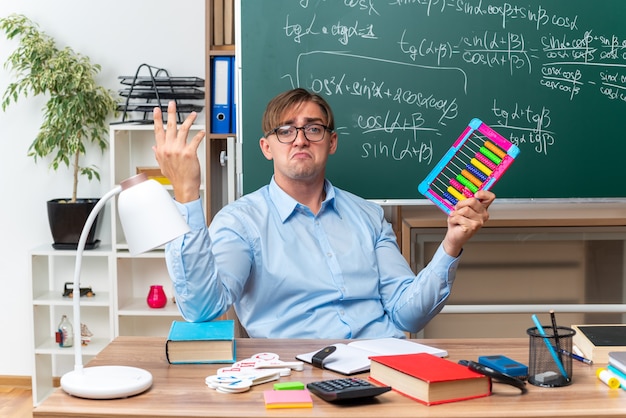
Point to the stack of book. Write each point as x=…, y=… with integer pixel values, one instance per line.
x=617, y=365
x=287, y=399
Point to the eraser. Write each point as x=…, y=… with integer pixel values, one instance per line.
x=546, y=377
x=289, y=386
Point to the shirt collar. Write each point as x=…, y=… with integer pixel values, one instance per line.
x=286, y=205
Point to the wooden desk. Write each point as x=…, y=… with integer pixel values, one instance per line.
x=180, y=391
x=572, y=251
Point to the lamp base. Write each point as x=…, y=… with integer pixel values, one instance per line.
x=106, y=382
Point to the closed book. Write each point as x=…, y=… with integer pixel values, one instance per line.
x=429, y=379
x=596, y=341
x=201, y=342
x=617, y=359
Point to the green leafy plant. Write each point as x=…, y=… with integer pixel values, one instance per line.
x=77, y=107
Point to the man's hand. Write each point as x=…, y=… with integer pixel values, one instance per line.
x=178, y=159
x=468, y=217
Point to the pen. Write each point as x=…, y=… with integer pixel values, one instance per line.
x=575, y=356
x=550, y=347
x=555, y=331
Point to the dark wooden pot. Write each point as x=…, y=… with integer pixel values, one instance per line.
x=67, y=221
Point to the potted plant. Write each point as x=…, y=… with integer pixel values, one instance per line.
x=75, y=116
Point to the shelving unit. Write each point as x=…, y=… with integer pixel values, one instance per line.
x=50, y=269
x=219, y=145
x=131, y=147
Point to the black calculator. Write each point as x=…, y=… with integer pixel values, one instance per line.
x=347, y=388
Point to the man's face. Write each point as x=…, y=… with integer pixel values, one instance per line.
x=300, y=160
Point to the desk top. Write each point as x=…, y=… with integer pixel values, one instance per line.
x=528, y=214
x=180, y=391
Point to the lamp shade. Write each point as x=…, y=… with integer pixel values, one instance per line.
x=148, y=215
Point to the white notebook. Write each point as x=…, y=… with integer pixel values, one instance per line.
x=354, y=357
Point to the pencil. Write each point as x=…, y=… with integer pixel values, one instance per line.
x=555, y=330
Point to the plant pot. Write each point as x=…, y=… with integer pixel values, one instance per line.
x=67, y=221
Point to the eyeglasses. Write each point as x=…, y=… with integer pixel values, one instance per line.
x=314, y=132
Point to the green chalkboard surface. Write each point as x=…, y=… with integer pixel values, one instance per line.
x=405, y=78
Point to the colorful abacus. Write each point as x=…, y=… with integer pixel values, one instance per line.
x=474, y=162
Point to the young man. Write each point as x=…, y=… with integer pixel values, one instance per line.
x=300, y=258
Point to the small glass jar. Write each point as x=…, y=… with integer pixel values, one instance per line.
x=65, y=333
x=156, y=297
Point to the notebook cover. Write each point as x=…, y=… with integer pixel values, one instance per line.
x=196, y=331
x=618, y=360
x=427, y=367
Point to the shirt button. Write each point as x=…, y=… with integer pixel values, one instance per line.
x=330, y=255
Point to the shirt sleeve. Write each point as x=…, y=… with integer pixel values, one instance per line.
x=199, y=295
x=413, y=300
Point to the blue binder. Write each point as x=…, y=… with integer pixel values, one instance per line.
x=233, y=101
x=221, y=95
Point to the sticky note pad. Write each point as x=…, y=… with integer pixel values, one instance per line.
x=289, y=386
x=287, y=399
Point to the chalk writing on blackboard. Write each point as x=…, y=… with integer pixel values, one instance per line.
x=404, y=76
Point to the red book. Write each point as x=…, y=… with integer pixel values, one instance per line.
x=428, y=379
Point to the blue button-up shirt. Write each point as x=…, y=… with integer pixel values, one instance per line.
x=292, y=274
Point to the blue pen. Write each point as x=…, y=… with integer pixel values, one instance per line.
x=550, y=347
x=575, y=356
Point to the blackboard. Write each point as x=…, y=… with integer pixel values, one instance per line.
x=405, y=77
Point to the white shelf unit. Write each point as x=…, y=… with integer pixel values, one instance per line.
x=131, y=147
x=50, y=270
x=135, y=275
x=120, y=281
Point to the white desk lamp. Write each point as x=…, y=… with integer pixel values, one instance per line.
x=149, y=219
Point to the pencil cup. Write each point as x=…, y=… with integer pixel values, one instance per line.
x=547, y=366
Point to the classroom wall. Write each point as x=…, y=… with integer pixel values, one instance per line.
x=119, y=35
